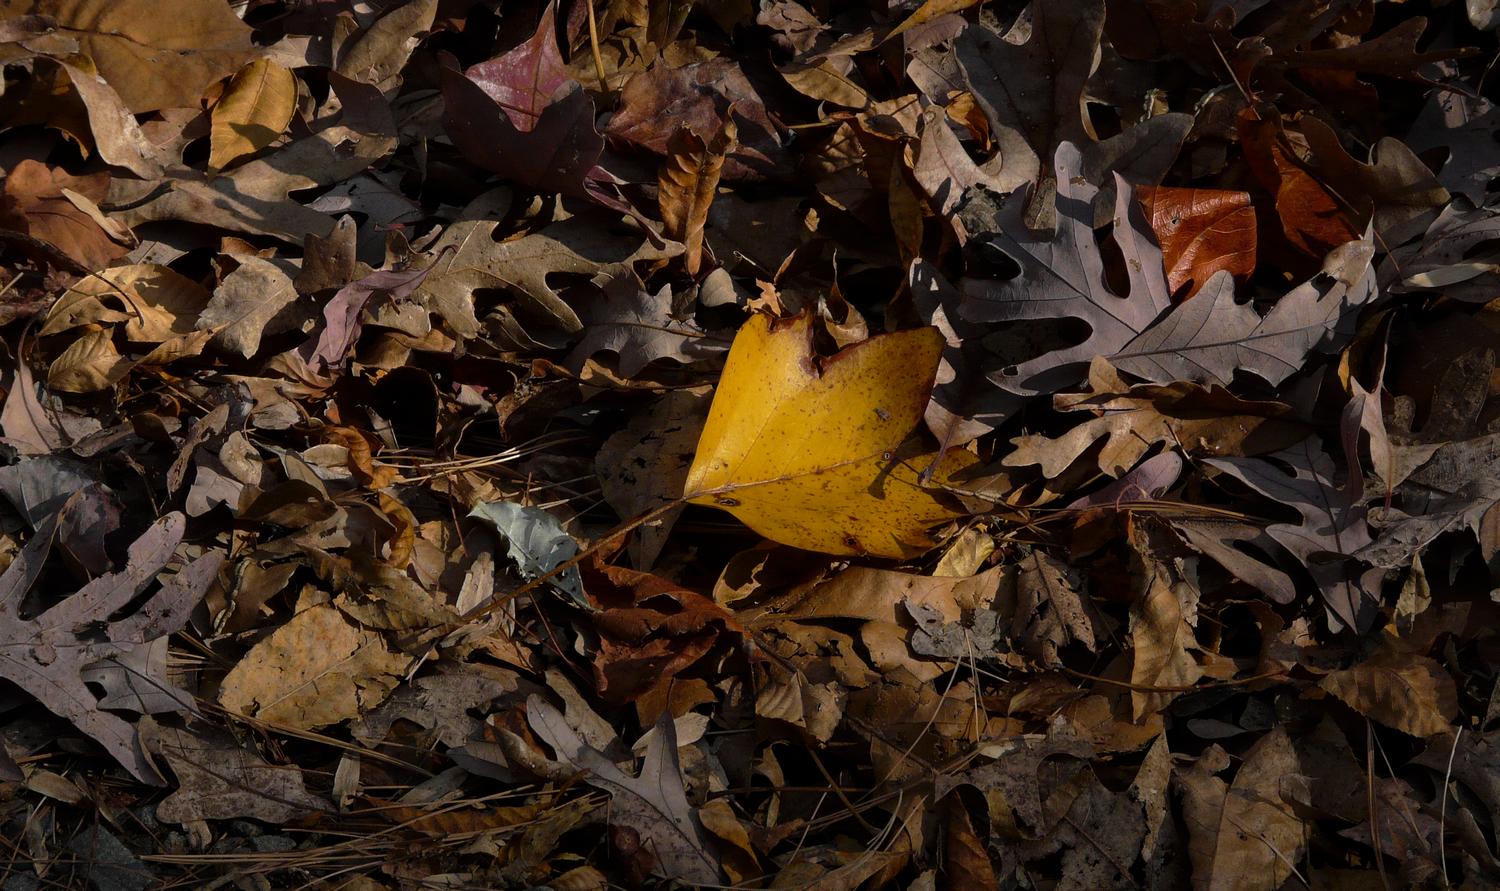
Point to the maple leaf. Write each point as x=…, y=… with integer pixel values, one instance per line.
x=49, y=655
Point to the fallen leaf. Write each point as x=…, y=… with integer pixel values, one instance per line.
x=536, y=541
x=654, y=803
x=253, y=112
x=639, y=327
x=1212, y=336
x=155, y=61
x=315, y=670
x=808, y=453
x=1398, y=688
x=1201, y=231
x=526, y=79
x=218, y=779
x=1063, y=276
x=643, y=466
x=1054, y=59
x=33, y=202
x=46, y=657
x=1243, y=835
x=255, y=300
x=687, y=184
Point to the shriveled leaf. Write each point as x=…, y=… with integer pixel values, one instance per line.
x=687, y=184
x=254, y=110
x=536, y=542
x=808, y=453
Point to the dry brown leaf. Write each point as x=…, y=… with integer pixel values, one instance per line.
x=1242, y=836
x=688, y=181
x=316, y=670
x=89, y=364
x=254, y=110
x=33, y=202
x=1201, y=231
x=153, y=60
x=1398, y=688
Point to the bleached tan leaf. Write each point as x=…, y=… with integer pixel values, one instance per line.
x=315, y=670
x=250, y=302
x=1407, y=691
x=155, y=303
x=156, y=56
x=254, y=111
x=89, y=364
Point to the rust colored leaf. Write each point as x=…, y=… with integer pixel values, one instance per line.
x=1313, y=219
x=1201, y=231
x=687, y=183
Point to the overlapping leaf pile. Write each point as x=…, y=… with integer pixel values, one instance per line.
x=749, y=444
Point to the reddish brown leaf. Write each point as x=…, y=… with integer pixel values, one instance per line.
x=687, y=183
x=650, y=629
x=33, y=203
x=1313, y=219
x=1201, y=231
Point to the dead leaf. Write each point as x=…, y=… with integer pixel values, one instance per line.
x=654, y=803
x=812, y=457
x=253, y=112
x=218, y=779
x=315, y=670
x=48, y=658
x=687, y=184
x=33, y=202
x=1242, y=835
x=1398, y=688
x=155, y=61
x=1201, y=231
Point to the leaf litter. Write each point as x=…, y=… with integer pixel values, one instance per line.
x=657, y=444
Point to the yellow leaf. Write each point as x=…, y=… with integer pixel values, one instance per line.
x=255, y=110
x=813, y=453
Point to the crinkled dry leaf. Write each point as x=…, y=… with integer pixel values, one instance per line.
x=315, y=670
